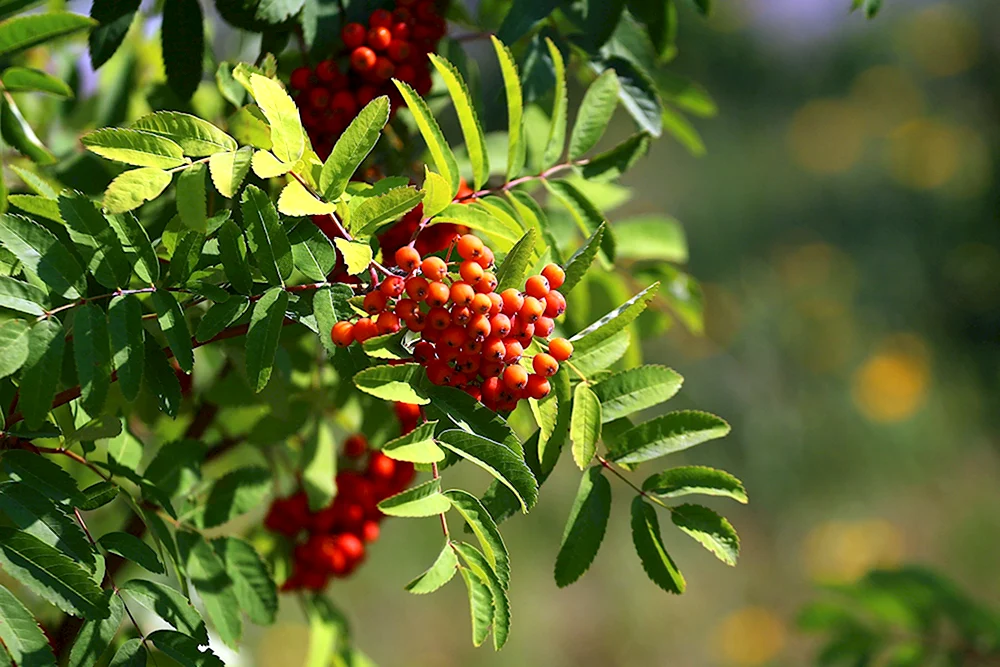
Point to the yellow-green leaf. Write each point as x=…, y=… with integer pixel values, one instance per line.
x=142, y=149
x=472, y=130
x=441, y=155
x=357, y=255
x=287, y=135
x=515, y=110
x=296, y=201
x=134, y=188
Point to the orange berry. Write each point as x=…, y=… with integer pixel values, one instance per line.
x=460, y=315
x=458, y=379
x=473, y=346
x=405, y=308
x=438, y=318
x=379, y=38
x=416, y=287
x=494, y=349
x=462, y=294
x=538, y=387
x=555, y=304
x=545, y=364
x=439, y=372
x=374, y=302
x=342, y=334
x=453, y=337
x=364, y=329
x=500, y=325
x=496, y=302
x=431, y=334
x=531, y=310
x=388, y=323
x=407, y=259
x=363, y=59
x=491, y=369
x=446, y=353
x=479, y=327
x=416, y=322
x=392, y=286
x=437, y=294
x=515, y=377
x=423, y=352
x=487, y=283
x=486, y=258
x=512, y=301
x=470, y=247
x=481, y=304
x=537, y=286
x=470, y=271
x=512, y=351
x=434, y=268
x=524, y=335
x=491, y=388
x=560, y=349
x=544, y=327
x=555, y=275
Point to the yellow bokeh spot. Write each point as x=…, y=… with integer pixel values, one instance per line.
x=827, y=136
x=891, y=385
x=943, y=40
x=750, y=637
x=924, y=154
x=887, y=96
x=975, y=172
x=840, y=552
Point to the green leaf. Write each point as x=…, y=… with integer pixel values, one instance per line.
x=133, y=549
x=37, y=205
x=515, y=109
x=14, y=337
x=135, y=243
x=295, y=201
x=220, y=316
x=183, y=649
x=649, y=546
x=252, y=582
x=263, y=336
x=43, y=255
x=352, y=147
x=92, y=350
x=557, y=130
x=171, y=319
x=712, y=531
x=480, y=220
x=93, y=236
x=585, y=425
x=52, y=575
x=23, y=32
x=441, y=155
x=142, y=149
x=436, y=193
x=589, y=345
x=98, y=495
x=453, y=406
x=421, y=500
x=496, y=459
x=21, y=635
x=114, y=18
x=585, y=528
x=417, y=446
x=485, y=529
x=133, y=188
x=480, y=605
x=329, y=306
x=666, y=434
x=169, y=604
x=688, y=480
x=636, y=389
x=357, y=255
x=125, y=329
x=406, y=383
x=22, y=79
x=587, y=216
x=132, y=653
x=95, y=637
x=327, y=627
x=43, y=475
x=192, y=202
x=522, y=17
x=287, y=135
x=18, y=133
x=517, y=262
x=438, y=574
x=468, y=120
x=229, y=169
x=209, y=578
x=22, y=297
x=501, y=607
x=182, y=39
x=637, y=94
x=611, y=164
x=196, y=137
x=595, y=114
x=233, y=251
x=319, y=466
x=312, y=251
x=159, y=378
x=37, y=515
x=581, y=260
x=266, y=236
x=40, y=373
x=266, y=166
x=236, y=493
x=375, y=212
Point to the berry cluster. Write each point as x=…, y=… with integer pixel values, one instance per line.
x=395, y=44
x=427, y=241
x=471, y=336
x=330, y=543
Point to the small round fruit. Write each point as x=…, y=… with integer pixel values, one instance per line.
x=544, y=327
x=555, y=304
x=538, y=387
x=481, y=304
x=387, y=323
x=374, y=302
x=364, y=329
x=462, y=293
x=379, y=38
x=300, y=78
x=537, y=286
x=384, y=69
x=531, y=310
x=434, y=268
x=342, y=334
x=380, y=18
x=545, y=364
x=470, y=247
x=470, y=271
x=353, y=35
x=512, y=301
x=560, y=349
x=399, y=50
x=407, y=259
x=494, y=349
x=487, y=283
x=479, y=327
x=363, y=59
x=437, y=294
x=392, y=286
x=500, y=325
x=555, y=275
x=416, y=288
x=515, y=377
x=512, y=351
x=355, y=446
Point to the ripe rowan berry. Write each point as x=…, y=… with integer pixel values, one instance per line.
x=439, y=318
x=454, y=337
x=512, y=301
x=486, y=258
x=491, y=369
x=545, y=364
x=416, y=322
x=462, y=293
x=487, y=283
x=363, y=59
x=416, y=287
x=439, y=372
x=555, y=304
x=500, y=325
x=544, y=327
x=380, y=18
x=374, y=302
x=300, y=78
x=460, y=315
x=481, y=304
x=392, y=286
x=473, y=346
x=431, y=334
x=496, y=302
x=425, y=10
x=370, y=531
x=494, y=348
x=364, y=94
x=470, y=247
x=555, y=275
x=524, y=334
x=538, y=387
x=479, y=327
x=364, y=329
x=434, y=268
x=405, y=308
x=384, y=69
x=379, y=38
x=342, y=103
x=399, y=50
x=387, y=323
x=353, y=35
x=326, y=71
x=342, y=334
x=319, y=98
x=400, y=29
x=470, y=271
x=407, y=259
x=468, y=363
x=560, y=349
x=537, y=286
x=355, y=446
x=437, y=294
x=406, y=73
x=446, y=353
x=515, y=377
x=531, y=310
x=512, y=351
x=423, y=352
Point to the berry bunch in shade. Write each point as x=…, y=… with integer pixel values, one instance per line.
x=331, y=543
x=394, y=44
x=471, y=336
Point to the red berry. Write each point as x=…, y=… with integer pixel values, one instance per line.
x=387, y=323
x=326, y=71
x=342, y=334
x=544, y=327
x=363, y=59
x=531, y=310
x=500, y=325
x=487, y=283
x=512, y=351
x=400, y=29
x=479, y=327
x=399, y=51
x=437, y=294
x=407, y=259
x=365, y=94
x=462, y=294
x=355, y=446
x=426, y=10
x=406, y=308
x=494, y=349
x=406, y=73
x=319, y=98
x=417, y=288
x=555, y=304
x=454, y=337
x=370, y=531
x=470, y=247
x=538, y=387
x=545, y=364
x=379, y=38
x=380, y=466
x=537, y=286
x=470, y=271
x=486, y=259
x=384, y=69
x=560, y=349
x=374, y=302
x=439, y=318
x=353, y=35
x=423, y=352
x=512, y=301
x=351, y=545
x=460, y=315
x=300, y=78
x=392, y=286
x=380, y=18
x=364, y=329
x=342, y=104
x=434, y=268
x=515, y=377
x=555, y=275
x=482, y=304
